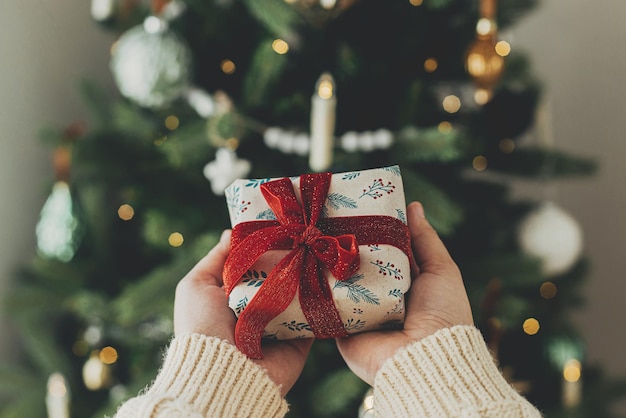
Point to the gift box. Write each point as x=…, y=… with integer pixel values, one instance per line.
x=320, y=255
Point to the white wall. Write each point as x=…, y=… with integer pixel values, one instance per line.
x=46, y=47
x=576, y=48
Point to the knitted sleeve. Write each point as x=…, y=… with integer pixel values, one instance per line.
x=202, y=377
x=448, y=374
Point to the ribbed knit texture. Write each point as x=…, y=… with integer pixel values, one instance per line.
x=448, y=374
x=207, y=377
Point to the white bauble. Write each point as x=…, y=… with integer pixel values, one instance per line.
x=554, y=236
x=350, y=141
x=151, y=64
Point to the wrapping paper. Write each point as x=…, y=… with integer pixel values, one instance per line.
x=373, y=297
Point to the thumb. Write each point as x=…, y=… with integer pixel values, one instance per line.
x=430, y=253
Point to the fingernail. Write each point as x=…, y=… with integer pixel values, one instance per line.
x=420, y=210
x=225, y=237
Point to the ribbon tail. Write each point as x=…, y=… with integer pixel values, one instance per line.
x=318, y=305
x=272, y=298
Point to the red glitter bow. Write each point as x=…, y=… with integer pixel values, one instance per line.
x=315, y=244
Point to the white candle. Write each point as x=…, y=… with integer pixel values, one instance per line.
x=57, y=398
x=572, y=385
x=323, y=106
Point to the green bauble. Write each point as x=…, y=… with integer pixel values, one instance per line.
x=151, y=64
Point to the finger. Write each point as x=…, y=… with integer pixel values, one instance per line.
x=209, y=269
x=430, y=252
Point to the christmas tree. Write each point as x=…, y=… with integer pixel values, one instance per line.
x=210, y=91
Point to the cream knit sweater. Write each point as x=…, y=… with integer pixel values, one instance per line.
x=449, y=374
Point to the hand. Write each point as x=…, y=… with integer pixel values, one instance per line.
x=201, y=306
x=436, y=300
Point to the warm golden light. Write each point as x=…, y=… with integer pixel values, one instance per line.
x=506, y=146
x=280, y=47
x=430, y=65
x=503, y=48
x=172, y=122
x=325, y=89
x=531, y=326
x=228, y=67
x=444, y=127
x=482, y=96
x=548, y=290
x=176, y=239
x=486, y=27
x=572, y=370
x=483, y=63
x=416, y=2
x=451, y=104
x=108, y=355
x=126, y=212
x=479, y=163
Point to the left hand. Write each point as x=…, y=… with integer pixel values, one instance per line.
x=201, y=307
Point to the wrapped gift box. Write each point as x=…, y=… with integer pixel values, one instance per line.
x=372, y=297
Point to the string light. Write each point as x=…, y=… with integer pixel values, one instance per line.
x=451, y=104
x=479, y=163
x=172, y=122
x=108, y=355
x=481, y=96
x=280, y=47
x=126, y=212
x=531, y=326
x=572, y=370
x=228, y=67
x=176, y=239
x=548, y=290
x=444, y=127
x=430, y=65
x=486, y=26
x=416, y=2
x=503, y=48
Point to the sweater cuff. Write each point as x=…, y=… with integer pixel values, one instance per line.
x=448, y=374
x=216, y=379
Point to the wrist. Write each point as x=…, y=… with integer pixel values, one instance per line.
x=217, y=379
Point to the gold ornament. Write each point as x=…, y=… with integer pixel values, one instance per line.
x=483, y=63
x=482, y=60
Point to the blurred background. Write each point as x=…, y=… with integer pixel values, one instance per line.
x=576, y=51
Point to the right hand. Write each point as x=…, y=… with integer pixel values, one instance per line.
x=437, y=300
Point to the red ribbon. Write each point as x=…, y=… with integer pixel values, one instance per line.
x=315, y=244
